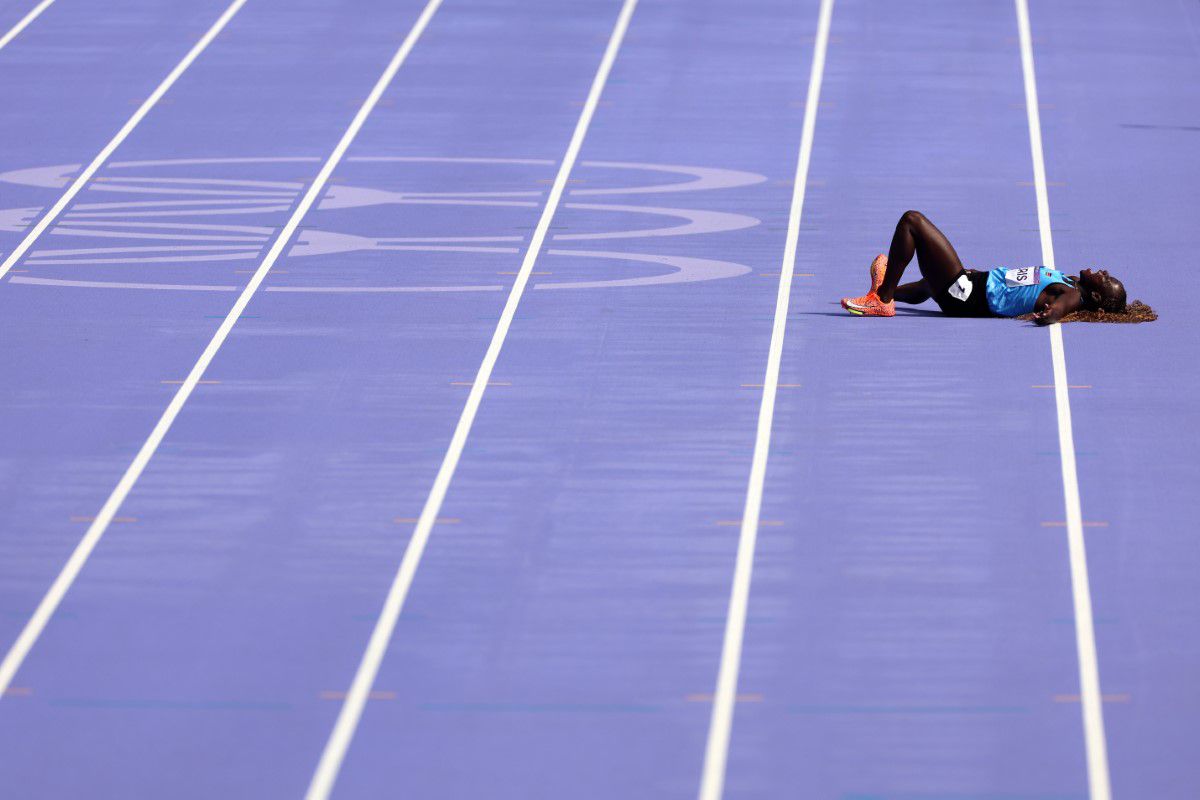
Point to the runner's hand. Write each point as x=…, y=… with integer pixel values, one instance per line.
x=1045, y=316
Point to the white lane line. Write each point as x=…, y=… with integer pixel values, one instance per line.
x=364, y=678
x=1085, y=634
x=24, y=23
x=41, y=616
x=81, y=180
x=712, y=781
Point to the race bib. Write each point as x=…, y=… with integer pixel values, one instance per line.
x=1026, y=276
x=961, y=288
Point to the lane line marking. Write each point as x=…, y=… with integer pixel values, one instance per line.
x=179, y=383
x=81, y=180
x=15, y=30
x=438, y=521
x=364, y=677
x=114, y=520
x=490, y=383
x=712, y=781
x=1052, y=386
x=737, y=523
x=79, y=557
x=1063, y=524
x=1085, y=634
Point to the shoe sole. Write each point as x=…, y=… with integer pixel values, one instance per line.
x=862, y=312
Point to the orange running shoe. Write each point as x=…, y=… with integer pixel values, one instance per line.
x=869, y=305
x=878, y=270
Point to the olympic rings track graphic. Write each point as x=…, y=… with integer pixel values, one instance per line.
x=162, y=214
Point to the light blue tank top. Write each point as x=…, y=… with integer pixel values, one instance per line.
x=1013, y=292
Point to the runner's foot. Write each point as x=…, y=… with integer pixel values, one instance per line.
x=869, y=305
x=878, y=270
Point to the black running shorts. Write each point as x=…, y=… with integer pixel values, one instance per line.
x=966, y=297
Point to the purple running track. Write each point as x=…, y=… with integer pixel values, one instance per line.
x=910, y=631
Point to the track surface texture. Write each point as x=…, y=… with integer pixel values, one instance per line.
x=402, y=400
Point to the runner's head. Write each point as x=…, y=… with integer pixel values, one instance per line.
x=1101, y=291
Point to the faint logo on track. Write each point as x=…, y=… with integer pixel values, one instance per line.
x=174, y=224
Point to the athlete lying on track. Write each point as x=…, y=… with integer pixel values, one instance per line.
x=1045, y=295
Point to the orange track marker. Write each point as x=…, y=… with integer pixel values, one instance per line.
x=752, y=697
x=1108, y=698
x=377, y=695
